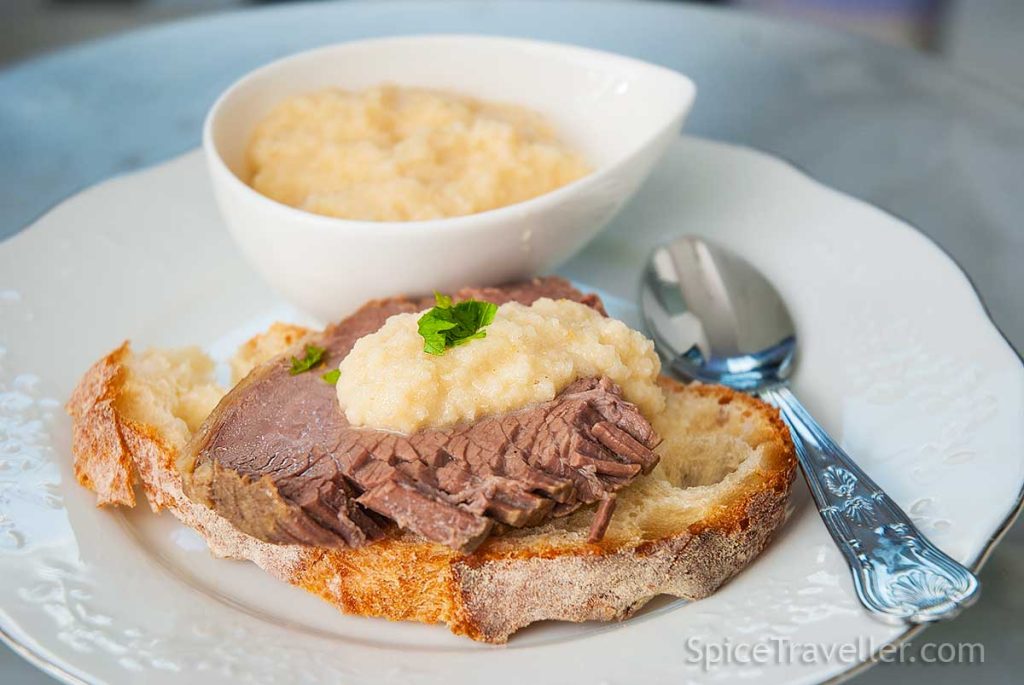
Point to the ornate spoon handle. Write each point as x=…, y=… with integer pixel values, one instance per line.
x=898, y=573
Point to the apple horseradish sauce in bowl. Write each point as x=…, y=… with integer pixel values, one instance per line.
x=391, y=153
x=582, y=130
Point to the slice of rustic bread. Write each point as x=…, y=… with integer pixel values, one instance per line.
x=710, y=506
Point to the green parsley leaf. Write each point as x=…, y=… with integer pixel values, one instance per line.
x=442, y=300
x=447, y=325
x=314, y=355
x=332, y=376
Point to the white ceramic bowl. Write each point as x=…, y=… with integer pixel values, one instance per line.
x=621, y=113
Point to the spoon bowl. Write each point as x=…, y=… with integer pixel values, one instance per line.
x=715, y=318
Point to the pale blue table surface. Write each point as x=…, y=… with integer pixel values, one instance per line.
x=889, y=126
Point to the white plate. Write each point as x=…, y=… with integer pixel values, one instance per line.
x=899, y=361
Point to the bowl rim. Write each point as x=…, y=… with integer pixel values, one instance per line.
x=688, y=93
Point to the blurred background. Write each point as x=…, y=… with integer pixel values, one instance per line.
x=980, y=37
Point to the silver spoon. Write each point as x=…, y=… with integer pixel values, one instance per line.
x=718, y=320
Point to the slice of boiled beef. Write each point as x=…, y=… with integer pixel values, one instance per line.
x=278, y=459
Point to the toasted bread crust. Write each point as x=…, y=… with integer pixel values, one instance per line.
x=95, y=422
x=486, y=595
